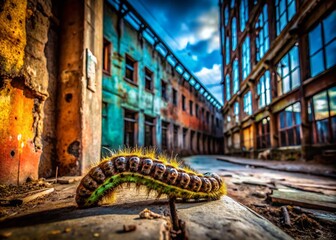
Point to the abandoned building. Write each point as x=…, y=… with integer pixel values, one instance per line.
x=149, y=97
x=79, y=75
x=279, y=80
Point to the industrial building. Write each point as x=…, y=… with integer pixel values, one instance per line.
x=279, y=80
x=150, y=98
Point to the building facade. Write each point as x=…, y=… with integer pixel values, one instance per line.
x=150, y=99
x=279, y=79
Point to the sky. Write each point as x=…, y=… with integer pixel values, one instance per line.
x=190, y=29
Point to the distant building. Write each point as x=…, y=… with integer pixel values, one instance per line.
x=279, y=78
x=149, y=97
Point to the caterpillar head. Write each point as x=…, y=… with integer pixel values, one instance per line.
x=134, y=164
x=146, y=166
x=160, y=169
x=97, y=174
x=108, y=168
x=120, y=164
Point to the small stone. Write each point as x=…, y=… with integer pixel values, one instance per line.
x=259, y=195
x=129, y=228
x=55, y=232
x=67, y=230
x=5, y=234
x=96, y=235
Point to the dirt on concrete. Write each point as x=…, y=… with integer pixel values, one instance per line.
x=302, y=226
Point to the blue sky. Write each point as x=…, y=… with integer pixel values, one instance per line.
x=190, y=28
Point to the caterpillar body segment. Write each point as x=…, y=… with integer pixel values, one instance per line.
x=162, y=176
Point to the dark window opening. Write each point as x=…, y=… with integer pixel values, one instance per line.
x=191, y=107
x=176, y=130
x=263, y=134
x=164, y=90
x=290, y=122
x=174, y=97
x=148, y=80
x=165, y=129
x=149, y=131
x=184, y=103
x=130, y=69
x=130, y=128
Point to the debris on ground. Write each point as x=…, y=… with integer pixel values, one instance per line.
x=148, y=214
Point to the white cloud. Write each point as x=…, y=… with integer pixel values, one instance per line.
x=211, y=78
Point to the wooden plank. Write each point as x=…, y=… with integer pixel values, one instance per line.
x=37, y=195
x=304, y=199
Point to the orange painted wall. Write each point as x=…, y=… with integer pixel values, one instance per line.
x=19, y=159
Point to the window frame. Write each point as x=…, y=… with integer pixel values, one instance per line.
x=262, y=26
x=107, y=47
x=263, y=81
x=133, y=69
x=149, y=78
x=134, y=122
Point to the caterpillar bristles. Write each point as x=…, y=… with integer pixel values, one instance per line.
x=144, y=168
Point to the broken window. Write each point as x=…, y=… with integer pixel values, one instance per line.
x=130, y=121
x=164, y=135
x=148, y=80
x=289, y=125
x=264, y=90
x=284, y=12
x=262, y=35
x=322, y=45
x=130, y=69
x=263, y=133
x=107, y=57
x=149, y=131
x=324, y=116
x=164, y=90
x=289, y=71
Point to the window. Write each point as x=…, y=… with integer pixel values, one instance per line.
x=164, y=90
x=226, y=16
x=248, y=103
x=235, y=73
x=264, y=90
x=284, y=11
x=322, y=45
x=176, y=130
x=234, y=34
x=248, y=138
x=107, y=57
x=262, y=35
x=246, y=60
x=290, y=121
x=149, y=131
x=197, y=110
x=184, y=107
x=185, y=132
x=130, y=69
x=164, y=135
x=203, y=115
x=191, y=106
x=236, y=140
x=207, y=117
x=228, y=88
x=227, y=50
x=263, y=133
x=130, y=134
x=324, y=116
x=232, y=4
x=289, y=71
x=236, y=112
x=174, y=97
x=243, y=13
x=192, y=136
x=148, y=80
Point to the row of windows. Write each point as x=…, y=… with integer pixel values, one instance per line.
x=131, y=69
x=322, y=57
x=131, y=133
x=322, y=115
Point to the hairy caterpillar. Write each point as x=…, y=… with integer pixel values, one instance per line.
x=164, y=176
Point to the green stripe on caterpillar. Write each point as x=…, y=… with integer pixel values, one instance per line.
x=159, y=174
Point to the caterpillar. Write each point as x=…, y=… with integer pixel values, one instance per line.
x=165, y=176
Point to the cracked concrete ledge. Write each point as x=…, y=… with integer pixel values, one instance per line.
x=59, y=218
